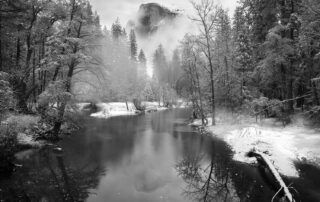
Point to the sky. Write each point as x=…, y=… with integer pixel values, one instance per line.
x=109, y=10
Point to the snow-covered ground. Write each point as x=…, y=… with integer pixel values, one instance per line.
x=153, y=106
x=183, y=104
x=106, y=110
x=82, y=105
x=111, y=109
x=283, y=145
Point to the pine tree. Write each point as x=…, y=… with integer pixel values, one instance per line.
x=243, y=52
x=133, y=45
x=160, y=65
x=116, y=29
x=142, y=57
x=175, y=68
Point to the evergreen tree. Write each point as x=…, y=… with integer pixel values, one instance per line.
x=243, y=52
x=133, y=45
x=116, y=29
x=175, y=68
x=142, y=57
x=160, y=65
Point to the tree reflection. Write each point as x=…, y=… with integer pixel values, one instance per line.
x=214, y=176
x=206, y=183
x=47, y=178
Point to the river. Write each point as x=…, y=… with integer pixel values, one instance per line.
x=145, y=158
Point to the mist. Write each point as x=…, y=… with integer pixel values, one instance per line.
x=169, y=35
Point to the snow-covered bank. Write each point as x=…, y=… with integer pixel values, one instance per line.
x=153, y=106
x=283, y=145
x=106, y=110
x=81, y=106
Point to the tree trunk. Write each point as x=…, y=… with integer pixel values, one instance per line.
x=21, y=96
x=56, y=73
x=44, y=79
x=0, y=42
x=29, y=53
x=261, y=157
x=62, y=108
x=290, y=94
x=300, y=92
x=213, y=107
x=242, y=87
x=207, y=183
x=227, y=80
x=72, y=65
x=18, y=53
x=284, y=79
x=315, y=93
x=127, y=105
x=34, y=77
x=203, y=118
x=68, y=195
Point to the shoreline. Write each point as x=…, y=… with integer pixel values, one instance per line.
x=285, y=146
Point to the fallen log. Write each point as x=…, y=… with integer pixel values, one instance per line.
x=261, y=157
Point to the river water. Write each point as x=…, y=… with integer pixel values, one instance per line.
x=146, y=158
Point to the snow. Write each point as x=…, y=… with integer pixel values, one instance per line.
x=277, y=145
x=24, y=139
x=183, y=104
x=154, y=106
x=82, y=105
x=283, y=145
x=107, y=110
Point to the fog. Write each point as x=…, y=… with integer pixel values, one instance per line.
x=169, y=34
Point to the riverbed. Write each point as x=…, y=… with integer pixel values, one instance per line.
x=145, y=158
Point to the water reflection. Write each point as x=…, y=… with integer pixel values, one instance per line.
x=154, y=157
x=46, y=177
x=215, y=177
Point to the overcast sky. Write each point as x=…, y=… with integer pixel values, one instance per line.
x=109, y=10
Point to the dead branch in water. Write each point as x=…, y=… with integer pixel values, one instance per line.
x=261, y=156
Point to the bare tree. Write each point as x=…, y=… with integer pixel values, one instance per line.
x=207, y=14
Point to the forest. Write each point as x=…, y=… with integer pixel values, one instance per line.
x=262, y=62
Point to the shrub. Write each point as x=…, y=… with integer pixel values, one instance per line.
x=22, y=122
x=6, y=94
x=138, y=104
x=8, y=146
x=313, y=115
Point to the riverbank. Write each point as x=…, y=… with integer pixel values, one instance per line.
x=24, y=132
x=285, y=146
x=21, y=131
x=112, y=109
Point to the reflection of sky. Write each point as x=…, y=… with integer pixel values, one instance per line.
x=148, y=172
x=109, y=10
